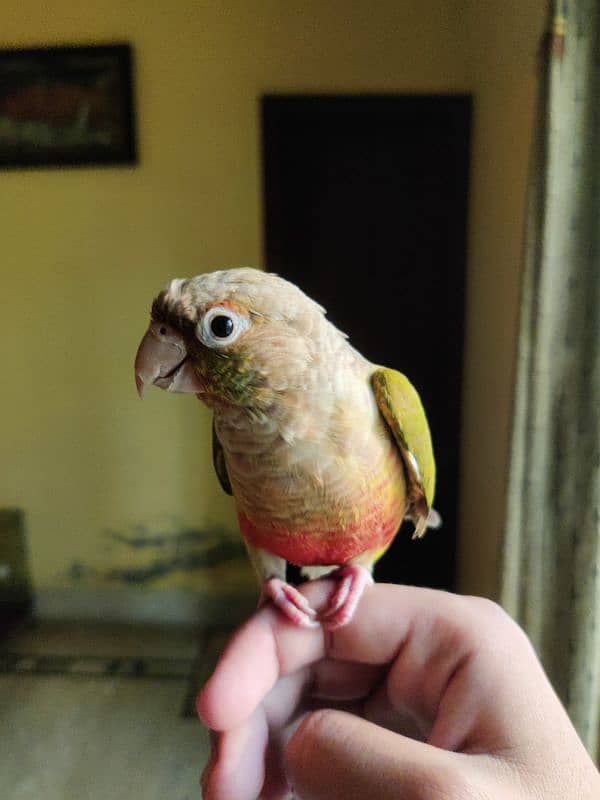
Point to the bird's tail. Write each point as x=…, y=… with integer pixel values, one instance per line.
x=422, y=524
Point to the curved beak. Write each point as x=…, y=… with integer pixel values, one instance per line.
x=162, y=360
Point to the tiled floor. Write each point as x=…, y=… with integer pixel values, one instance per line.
x=103, y=729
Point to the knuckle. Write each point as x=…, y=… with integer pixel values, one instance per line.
x=489, y=609
x=491, y=614
x=495, y=623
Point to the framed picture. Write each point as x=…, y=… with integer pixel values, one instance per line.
x=67, y=106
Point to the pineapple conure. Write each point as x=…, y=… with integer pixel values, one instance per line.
x=323, y=452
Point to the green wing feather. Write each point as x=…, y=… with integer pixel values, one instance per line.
x=403, y=411
x=219, y=462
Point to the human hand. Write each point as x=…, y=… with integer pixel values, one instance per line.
x=434, y=697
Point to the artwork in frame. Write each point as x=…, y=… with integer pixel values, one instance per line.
x=67, y=106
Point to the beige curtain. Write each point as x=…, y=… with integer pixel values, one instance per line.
x=551, y=560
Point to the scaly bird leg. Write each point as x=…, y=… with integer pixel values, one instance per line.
x=353, y=580
x=290, y=601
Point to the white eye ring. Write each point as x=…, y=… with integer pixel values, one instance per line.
x=206, y=330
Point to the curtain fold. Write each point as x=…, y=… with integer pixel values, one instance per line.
x=550, y=578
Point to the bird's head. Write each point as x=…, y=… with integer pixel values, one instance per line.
x=233, y=336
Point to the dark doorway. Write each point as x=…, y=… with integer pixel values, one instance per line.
x=366, y=209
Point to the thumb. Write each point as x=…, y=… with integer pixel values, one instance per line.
x=334, y=754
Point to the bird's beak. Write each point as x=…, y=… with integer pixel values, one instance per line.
x=162, y=360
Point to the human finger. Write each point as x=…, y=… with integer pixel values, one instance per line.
x=430, y=628
x=266, y=648
x=245, y=755
x=378, y=708
x=437, y=641
x=447, y=658
x=237, y=765
x=344, y=680
x=335, y=755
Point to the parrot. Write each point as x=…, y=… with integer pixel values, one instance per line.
x=324, y=453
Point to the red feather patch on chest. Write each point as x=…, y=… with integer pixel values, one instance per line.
x=323, y=548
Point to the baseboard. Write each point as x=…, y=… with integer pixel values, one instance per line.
x=168, y=606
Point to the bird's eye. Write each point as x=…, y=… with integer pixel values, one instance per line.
x=221, y=326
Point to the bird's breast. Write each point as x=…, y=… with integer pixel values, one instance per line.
x=322, y=510
x=330, y=534
x=321, y=480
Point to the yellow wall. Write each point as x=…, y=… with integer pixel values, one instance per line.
x=85, y=250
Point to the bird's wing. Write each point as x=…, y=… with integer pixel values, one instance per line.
x=401, y=408
x=219, y=462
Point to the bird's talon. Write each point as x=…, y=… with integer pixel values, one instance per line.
x=290, y=601
x=337, y=599
x=343, y=602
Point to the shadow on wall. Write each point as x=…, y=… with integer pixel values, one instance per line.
x=144, y=556
x=157, y=573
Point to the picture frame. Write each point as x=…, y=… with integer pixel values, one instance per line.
x=67, y=106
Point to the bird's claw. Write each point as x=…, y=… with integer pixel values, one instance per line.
x=353, y=580
x=290, y=601
x=340, y=608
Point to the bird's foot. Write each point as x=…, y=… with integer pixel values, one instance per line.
x=353, y=580
x=290, y=601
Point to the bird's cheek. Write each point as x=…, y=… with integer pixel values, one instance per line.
x=186, y=380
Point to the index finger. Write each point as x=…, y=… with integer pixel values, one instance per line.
x=263, y=650
x=268, y=647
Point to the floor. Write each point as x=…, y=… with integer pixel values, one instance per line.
x=102, y=712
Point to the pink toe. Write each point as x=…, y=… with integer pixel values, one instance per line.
x=344, y=601
x=338, y=599
x=290, y=602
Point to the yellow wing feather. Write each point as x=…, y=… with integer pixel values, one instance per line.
x=403, y=411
